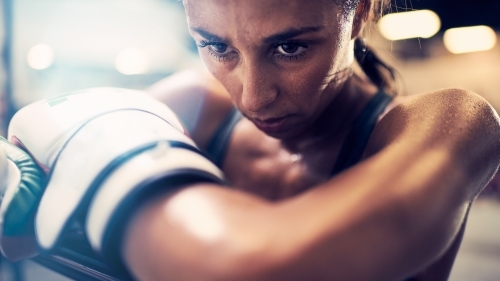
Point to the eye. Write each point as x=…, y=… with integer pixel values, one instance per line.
x=291, y=48
x=219, y=48
x=220, y=51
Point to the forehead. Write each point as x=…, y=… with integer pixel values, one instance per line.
x=258, y=18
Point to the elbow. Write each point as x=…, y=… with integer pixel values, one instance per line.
x=480, y=145
x=468, y=127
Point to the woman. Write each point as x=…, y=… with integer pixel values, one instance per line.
x=302, y=205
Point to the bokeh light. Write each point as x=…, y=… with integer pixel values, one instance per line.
x=405, y=25
x=132, y=61
x=40, y=56
x=469, y=39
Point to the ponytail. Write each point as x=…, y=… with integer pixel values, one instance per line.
x=381, y=74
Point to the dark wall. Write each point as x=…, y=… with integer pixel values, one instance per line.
x=457, y=13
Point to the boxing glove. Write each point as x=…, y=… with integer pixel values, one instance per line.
x=21, y=187
x=120, y=144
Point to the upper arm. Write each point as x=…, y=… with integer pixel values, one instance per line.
x=198, y=99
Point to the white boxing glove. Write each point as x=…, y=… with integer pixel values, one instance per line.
x=112, y=144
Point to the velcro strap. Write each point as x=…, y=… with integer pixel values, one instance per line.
x=160, y=170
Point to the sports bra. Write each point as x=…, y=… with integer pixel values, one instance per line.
x=352, y=148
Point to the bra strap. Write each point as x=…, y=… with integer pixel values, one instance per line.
x=217, y=147
x=357, y=139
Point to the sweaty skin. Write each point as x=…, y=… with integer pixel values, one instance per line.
x=286, y=65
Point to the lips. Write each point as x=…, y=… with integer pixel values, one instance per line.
x=271, y=125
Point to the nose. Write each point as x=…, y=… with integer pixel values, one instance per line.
x=258, y=90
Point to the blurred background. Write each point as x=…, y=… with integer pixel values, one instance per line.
x=54, y=46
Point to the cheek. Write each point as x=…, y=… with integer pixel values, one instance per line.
x=217, y=69
x=307, y=84
x=222, y=72
x=325, y=72
x=207, y=60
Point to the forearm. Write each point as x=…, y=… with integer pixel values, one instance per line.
x=196, y=234
x=386, y=228
x=347, y=229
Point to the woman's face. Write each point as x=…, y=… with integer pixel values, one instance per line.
x=282, y=61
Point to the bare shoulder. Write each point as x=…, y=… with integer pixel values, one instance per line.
x=449, y=115
x=458, y=102
x=457, y=124
x=197, y=98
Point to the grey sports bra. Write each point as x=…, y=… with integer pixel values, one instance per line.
x=352, y=148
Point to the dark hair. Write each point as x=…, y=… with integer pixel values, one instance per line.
x=380, y=73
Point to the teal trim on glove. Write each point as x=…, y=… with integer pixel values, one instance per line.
x=19, y=216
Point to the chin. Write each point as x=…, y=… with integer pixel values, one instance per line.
x=284, y=134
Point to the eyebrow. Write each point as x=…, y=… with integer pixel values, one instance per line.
x=282, y=36
x=290, y=33
x=207, y=35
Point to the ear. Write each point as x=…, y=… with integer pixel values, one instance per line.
x=361, y=17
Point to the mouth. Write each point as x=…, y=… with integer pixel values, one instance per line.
x=271, y=125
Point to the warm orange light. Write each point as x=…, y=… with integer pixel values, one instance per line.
x=469, y=39
x=405, y=25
